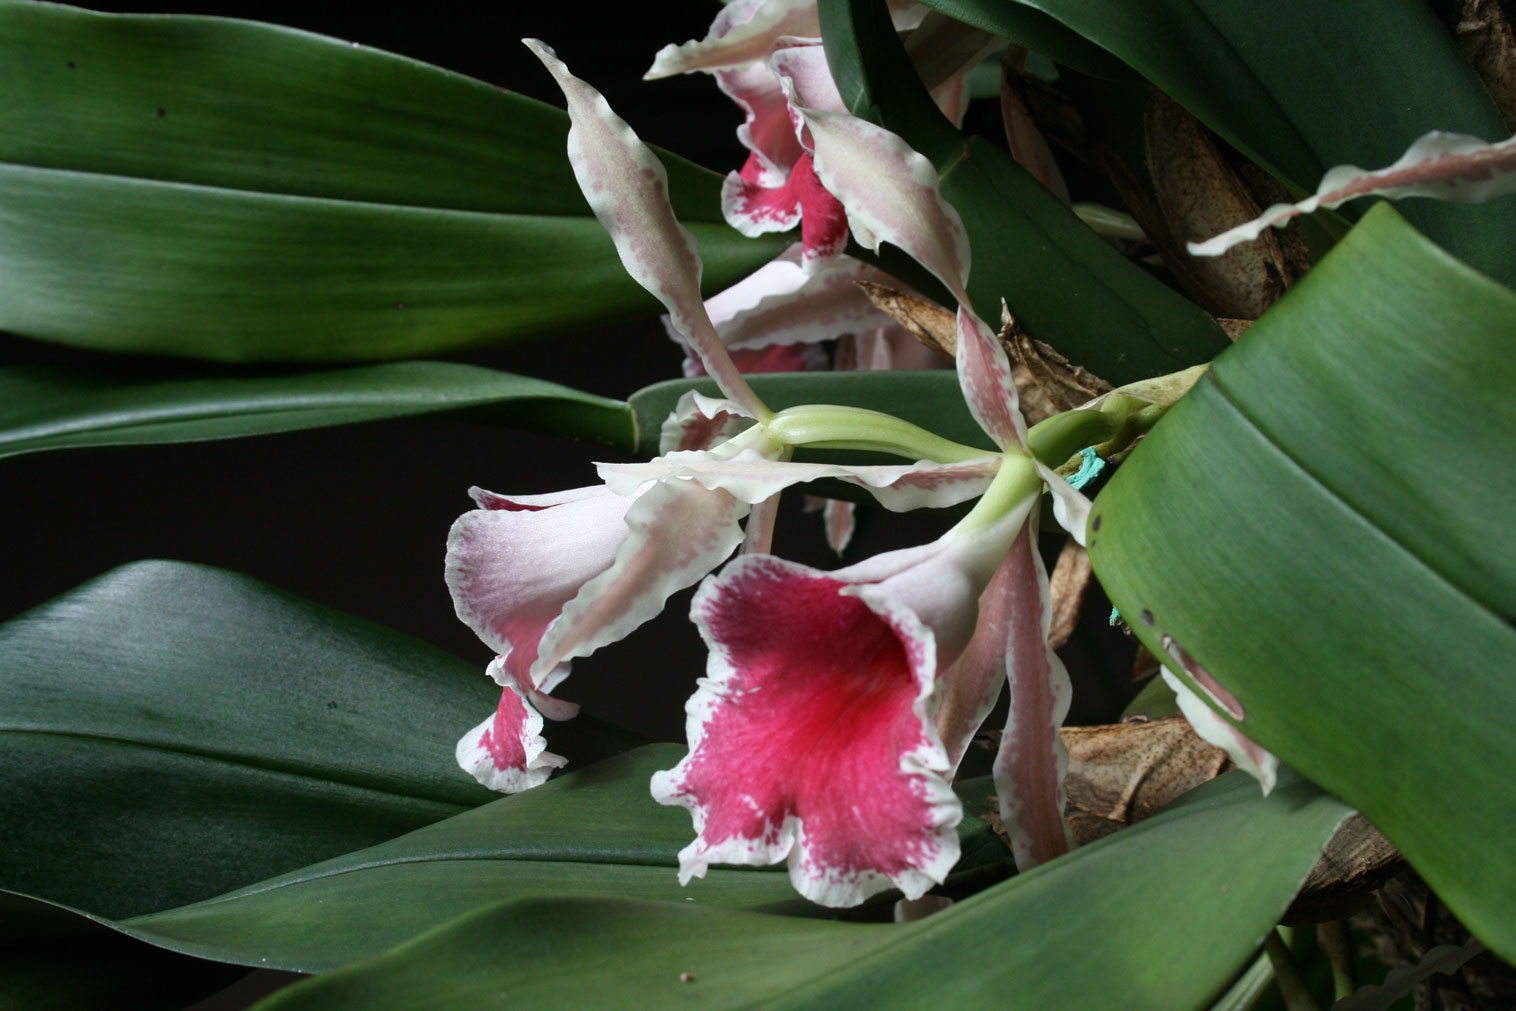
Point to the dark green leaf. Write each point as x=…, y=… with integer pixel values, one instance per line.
x=237, y=191
x=1158, y=916
x=1026, y=26
x=1323, y=524
x=1301, y=86
x=171, y=731
x=596, y=831
x=130, y=403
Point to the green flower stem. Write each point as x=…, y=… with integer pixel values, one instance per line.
x=826, y=426
x=1015, y=482
x=1054, y=440
x=1292, y=986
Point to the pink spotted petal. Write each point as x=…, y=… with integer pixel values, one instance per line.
x=507, y=752
x=967, y=691
x=627, y=188
x=676, y=532
x=809, y=738
x=700, y=422
x=755, y=208
x=984, y=373
x=1213, y=728
x=1032, y=760
x=513, y=564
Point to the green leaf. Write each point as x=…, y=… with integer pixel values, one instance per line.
x=131, y=403
x=1065, y=285
x=596, y=831
x=1157, y=916
x=170, y=731
x=1258, y=76
x=1039, y=32
x=1323, y=525
x=238, y=191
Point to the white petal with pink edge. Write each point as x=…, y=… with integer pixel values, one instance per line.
x=1256, y=761
x=676, y=532
x=506, y=752
x=744, y=31
x=814, y=745
x=1032, y=760
x=1071, y=508
x=627, y=188
x=1444, y=166
x=513, y=565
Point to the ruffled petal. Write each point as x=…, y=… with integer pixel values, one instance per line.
x=513, y=564
x=627, y=188
x=506, y=752
x=743, y=32
x=676, y=532
x=814, y=744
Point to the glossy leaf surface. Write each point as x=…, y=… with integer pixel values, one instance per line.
x=171, y=731
x=1099, y=928
x=1323, y=525
x=242, y=192
x=127, y=403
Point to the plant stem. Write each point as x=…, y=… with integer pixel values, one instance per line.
x=1292, y=987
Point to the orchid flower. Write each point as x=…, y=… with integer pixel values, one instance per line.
x=777, y=187
x=545, y=579
x=837, y=705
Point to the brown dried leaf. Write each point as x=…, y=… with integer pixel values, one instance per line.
x=1072, y=576
x=1357, y=860
x=1200, y=196
x=1488, y=43
x=1125, y=772
x=1046, y=382
x=931, y=324
x=1234, y=328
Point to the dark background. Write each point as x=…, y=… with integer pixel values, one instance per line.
x=356, y=517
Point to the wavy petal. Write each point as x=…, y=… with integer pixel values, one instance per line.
x=627, y=188
x=513, y=564
x=676, y=532
x=854, y=784
x=1444, y=166
x=507, y=752
x=1032, y=761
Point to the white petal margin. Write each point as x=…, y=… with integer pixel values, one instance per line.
x=627, y=188
x=475, y=756
x=677, y=532
x=1071, y=507
x=1443, y=166
x=781, y=303
x=1214, y=728
x=751, y=478
x=744, y=31
x=1032, y=761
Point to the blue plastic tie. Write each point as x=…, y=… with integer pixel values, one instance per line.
x=1089, y=468
x=1115, y=617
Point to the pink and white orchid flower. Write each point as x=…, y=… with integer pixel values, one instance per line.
x=545, y=579
x=837, y=705
x=777, y=187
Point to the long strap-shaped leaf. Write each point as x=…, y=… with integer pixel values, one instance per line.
x=237, y=191
x=1159, y=916
x=1322, y=528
